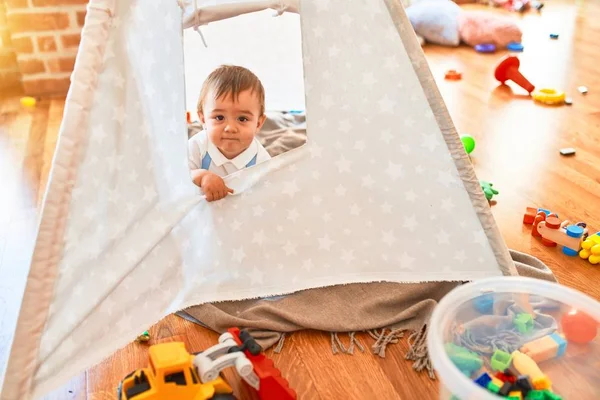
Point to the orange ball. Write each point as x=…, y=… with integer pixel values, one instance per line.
x=579, y=327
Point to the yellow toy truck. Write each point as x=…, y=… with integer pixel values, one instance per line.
x=171, y=374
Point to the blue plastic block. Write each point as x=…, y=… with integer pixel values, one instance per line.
x=569, y=252
x=574, y=231
x=514, y=46
x=484, y=304
x=554, y=36
x=483, y=380
x=547, y=212
x=562, y=344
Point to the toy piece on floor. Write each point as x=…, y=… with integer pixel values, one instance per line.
x=453, y=75
x=485, y=48
x=508, y=70
x=549, y=96
x=143, y=338
x=28, y=102
x=582, y=89
x=464, y=359
x=198, y=377
x=570, y=237
x=468, y=142
x=568, y=101
x=567, y=151
x=488, y=189
x=514, y=46
x=545, y=348
x=590, y=249
x=579, y=327
x=554, y=36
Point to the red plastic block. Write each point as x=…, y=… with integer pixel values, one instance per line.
x=272, y=385
x=506, y=378
x=529, y=216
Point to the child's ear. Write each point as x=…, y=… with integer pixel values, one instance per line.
x=261, y=122
x=201, y=115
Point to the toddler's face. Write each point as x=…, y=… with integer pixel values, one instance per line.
x=231, y=125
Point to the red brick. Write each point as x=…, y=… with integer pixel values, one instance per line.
x=23, y=45
x=11, y=4
x=31, y=66
x=8, y=60
x=51, y=3
x=80, y=18
x=36, y=87
x=70, y=41
x=46, y=44
x=37, y=22
x=10, y=80
x=62, y=64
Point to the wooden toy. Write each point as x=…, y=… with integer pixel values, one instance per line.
x=453, y=75
x=552, y=234
x=579, y=327
x=545, y=348
x=590, y=249
x=539, y=217
x=508, y=70
x=529, y=215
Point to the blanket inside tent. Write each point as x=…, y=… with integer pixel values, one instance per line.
x=382, y=191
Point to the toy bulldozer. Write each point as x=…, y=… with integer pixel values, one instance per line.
x=173, y=373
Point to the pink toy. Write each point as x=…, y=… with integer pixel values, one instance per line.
x=480, y=27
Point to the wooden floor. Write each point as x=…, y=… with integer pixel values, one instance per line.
x=518, y=145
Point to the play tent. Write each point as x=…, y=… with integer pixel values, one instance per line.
x=382, y=191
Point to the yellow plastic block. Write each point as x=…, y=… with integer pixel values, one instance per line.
x=541, y=383
x=515, y=395
x=497, y=381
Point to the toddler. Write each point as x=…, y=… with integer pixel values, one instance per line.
x=232, y=110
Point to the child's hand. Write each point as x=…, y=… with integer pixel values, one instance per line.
x=214, y=187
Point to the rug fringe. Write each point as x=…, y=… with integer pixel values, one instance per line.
x=382, y=339
x=338, y=347
x=417, y=352
x=280, y=343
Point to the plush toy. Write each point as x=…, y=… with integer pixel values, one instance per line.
x=443, y=22
x=479, y=27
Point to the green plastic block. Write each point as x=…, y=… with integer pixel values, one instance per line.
x=548, y=395
x=535, y=395
x=492, y=387
x=463, y=358
x=523, y=322
x=500, y=360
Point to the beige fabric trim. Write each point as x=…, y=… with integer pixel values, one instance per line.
x=444, y=121
x=39, y=291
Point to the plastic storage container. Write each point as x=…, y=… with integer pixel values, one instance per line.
x=541, y=334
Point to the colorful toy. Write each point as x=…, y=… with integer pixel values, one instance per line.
x=143, y=338
x=523, y=322
x=453, y=75
x=545, y=348
x=485, y=48
x=570, y=237
x=468, y=142
x=513, y=46
x=524, y=365
x=488, y=190
x=554, y=36
x=463, y=358
x=176, y=374
x=483, y=380
x=590, y=249
x=549, y=96
x=508, y=70
x=28, y=102
x=568, y=101
x=529, y=216
x=500, y=361
x=567, y=151
x=582, y=89
x=579, y=327
x=484, y=303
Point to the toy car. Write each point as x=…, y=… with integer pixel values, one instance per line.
x=174, y=373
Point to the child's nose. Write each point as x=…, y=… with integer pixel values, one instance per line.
x=230, y=127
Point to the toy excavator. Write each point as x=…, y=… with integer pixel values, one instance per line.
x=175, y=374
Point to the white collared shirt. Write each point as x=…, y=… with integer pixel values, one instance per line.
x=199, y=145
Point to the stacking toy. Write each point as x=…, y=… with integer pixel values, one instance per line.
x=508, y=70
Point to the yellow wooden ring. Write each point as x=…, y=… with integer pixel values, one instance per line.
x=549, y=96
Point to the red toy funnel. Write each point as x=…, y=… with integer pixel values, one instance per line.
x=508, y=70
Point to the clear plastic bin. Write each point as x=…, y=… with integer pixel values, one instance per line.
x=529, y=321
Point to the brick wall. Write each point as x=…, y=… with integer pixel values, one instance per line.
x=45, y=37
x=9, y=70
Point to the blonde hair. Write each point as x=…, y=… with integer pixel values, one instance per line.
x=231, y=80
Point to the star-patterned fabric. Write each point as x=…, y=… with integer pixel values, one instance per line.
x=382, y=191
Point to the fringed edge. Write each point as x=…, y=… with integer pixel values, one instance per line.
x=417, y=352
x=280, y=343
x=338, y=347
x=382, y=339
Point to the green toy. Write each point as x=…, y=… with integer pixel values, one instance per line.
x=500, y=360
x=523, y=322
x=463, y=358
x=488, y=190
x=143, y=338
x=469, y=142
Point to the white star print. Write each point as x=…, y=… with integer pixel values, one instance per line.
x=386, y=208
x=322, y=5
x=325, y=243
x=359, y=145
x=355, y=209
x=406, y=261
x=316, y=175
x=98, y=134
x=442, y=237
x=410, y=196
x=460, y=256
x=411, y=223
x=346, y=20
x=315, y=150
x=256, y=276
x=391, y=63
x=289, y=249
x=386, y=136
x=236, y=225
x=258, y=211
x=367, y=181
x=340, y=190
x=293, y=215
x=419, y=169
x=348, y=256
x=259, y=237
x=318, y=32
x=394, y=170
x=326, y=101
x=334, y=51
x=290, y=188
x=307, y=265
x=445, y=178
x=430, y=141
x=343, y=164
x=447, y=204
x=327, y=217
x=365, y=48
x=368, y=79
x=388, y=238
x=316, y=200
x=386, y=105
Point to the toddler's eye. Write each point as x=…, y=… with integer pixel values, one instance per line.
x=243, y=119
x=219, y=118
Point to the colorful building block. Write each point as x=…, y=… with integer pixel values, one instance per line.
x=515, y=395
x=506, y=377
x=524, y=384
x=536, y=395
x=497, y=381
x=493, y=387
x=590, y=249
x=484, y=303
x=463, y=358
x=523, y=322
x=505, y=389
x=500, y=360
x=526, y=366
x=529, y=215
x=552, y=234
x=545, y=348
x=483, y=380
x=548, y=395
x=541, y=383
